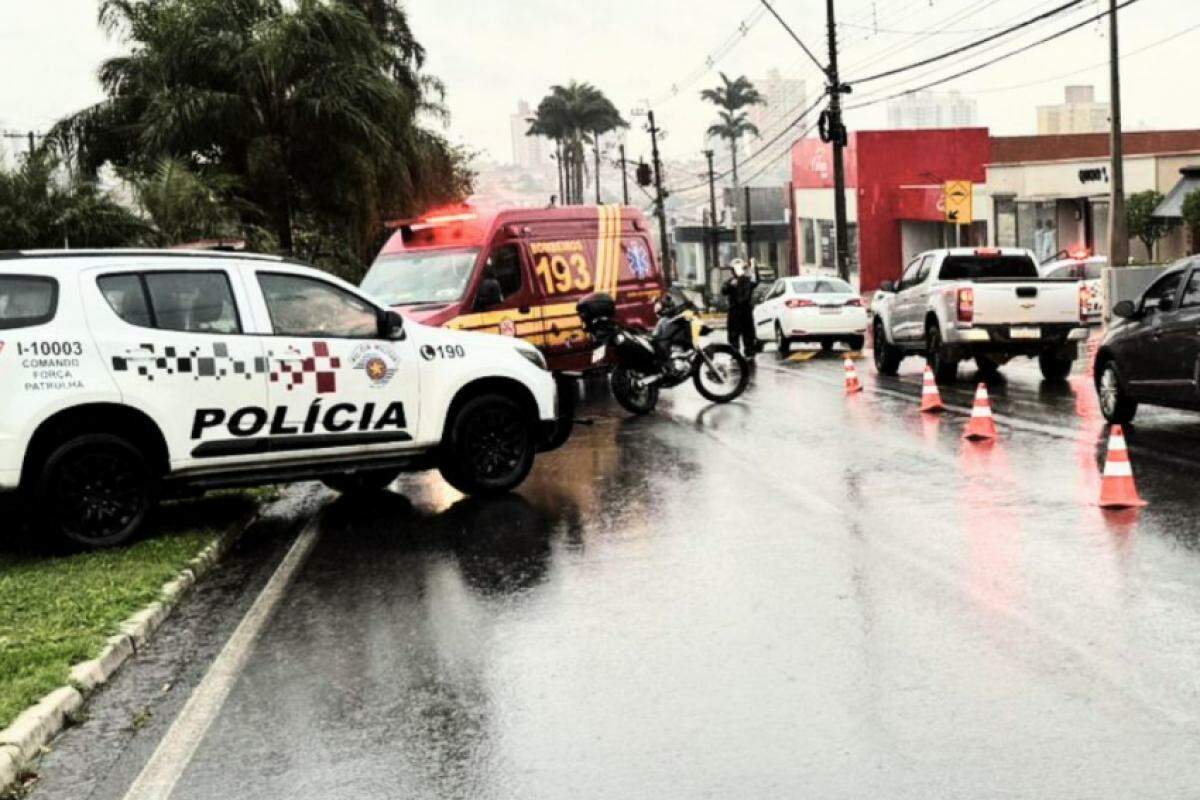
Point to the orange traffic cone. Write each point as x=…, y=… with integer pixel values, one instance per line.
x=931, y=399
x=1116, y=486
x=852, y=383
x=981, y=425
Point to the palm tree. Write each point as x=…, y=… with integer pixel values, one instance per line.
x=573, y=116
x=310, y=105
x=732, y=123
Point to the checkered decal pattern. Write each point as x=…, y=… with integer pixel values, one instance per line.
x=292, y=368
x=149, y=362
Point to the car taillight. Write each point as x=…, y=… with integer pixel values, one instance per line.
x=966, y=304
x=1085, y=301
x=854, y=301
x=799, y=303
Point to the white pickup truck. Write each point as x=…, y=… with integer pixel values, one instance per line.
x=984, y=303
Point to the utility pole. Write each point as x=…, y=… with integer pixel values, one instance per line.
x=30, y=136
x=660, y=202
x=715, y=241
x=624, y=175
x=836, y=132
x=1118, y=231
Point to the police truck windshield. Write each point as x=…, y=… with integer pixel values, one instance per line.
x=399, y=279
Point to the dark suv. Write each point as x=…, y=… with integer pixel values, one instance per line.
x=1151, y=354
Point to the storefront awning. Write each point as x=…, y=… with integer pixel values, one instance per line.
x=1172, y=206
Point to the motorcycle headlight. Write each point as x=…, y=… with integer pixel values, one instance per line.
x=533, y=356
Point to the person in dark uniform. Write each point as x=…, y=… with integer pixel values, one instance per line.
x=739, y=293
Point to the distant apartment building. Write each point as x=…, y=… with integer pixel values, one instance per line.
x=527, y=151
x=1079, y=113
x=924, y=110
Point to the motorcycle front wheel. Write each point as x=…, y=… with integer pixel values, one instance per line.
x=726, y=378
x=633, y=397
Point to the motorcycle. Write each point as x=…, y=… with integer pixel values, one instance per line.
x=664, y=358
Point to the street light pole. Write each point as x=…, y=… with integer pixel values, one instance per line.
x=624, y=176
x=1118, y=231
x=660, y=200
x=715, y=241
x=837, y=134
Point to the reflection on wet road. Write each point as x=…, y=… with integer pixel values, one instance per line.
x=798, y=595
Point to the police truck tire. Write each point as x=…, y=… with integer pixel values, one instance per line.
x=95, y=490
x=945, y=368
x=364, y=481
x=490, y=446
x=887, y=358
x=1054, y=367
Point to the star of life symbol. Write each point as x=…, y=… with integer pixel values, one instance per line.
x=377, y=361
x=639, y=260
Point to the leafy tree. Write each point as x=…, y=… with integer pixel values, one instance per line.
x=310, y=106
x=184, y=205
x=1139, y=214
x=41, y=207
x=573, y=116
x=732, y=123
x=1191, y=215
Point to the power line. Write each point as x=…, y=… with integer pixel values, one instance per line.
x=803, y=114
x=725, y=48
x=1097, y=65
x=775, y=160
x=792, y=33
x=978, y=43
x=993, y=61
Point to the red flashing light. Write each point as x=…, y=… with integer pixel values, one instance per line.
x=966, y=304
x=1080, y=252
x=446, y=219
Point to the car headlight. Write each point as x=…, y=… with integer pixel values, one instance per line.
x=533, y=356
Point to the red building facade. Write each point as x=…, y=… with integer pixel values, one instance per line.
x=894, y=192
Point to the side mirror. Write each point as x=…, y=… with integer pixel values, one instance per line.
x=391, y=326
x=1125, y=309
x=888, y=286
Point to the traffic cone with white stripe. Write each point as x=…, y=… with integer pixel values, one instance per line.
x=1117, y=489
x=931, y=399
x=981, y=424
x=852, y=383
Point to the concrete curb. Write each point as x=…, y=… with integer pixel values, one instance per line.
x=23, y=740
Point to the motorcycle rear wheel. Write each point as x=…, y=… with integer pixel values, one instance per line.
x=731, y=379
x=632, y=397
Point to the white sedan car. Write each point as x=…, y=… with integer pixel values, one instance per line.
x=812, y=309
x=1087, y=270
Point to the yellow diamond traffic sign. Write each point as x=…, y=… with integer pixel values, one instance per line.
x=958, y=202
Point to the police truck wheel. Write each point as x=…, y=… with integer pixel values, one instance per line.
x=1054, y=367
x=364, y=481
x=887, y=358
x=490, y=446
x=783, y=344
x=95, y=490
x=945, y=368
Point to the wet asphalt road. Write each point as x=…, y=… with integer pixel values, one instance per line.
x=797, y=595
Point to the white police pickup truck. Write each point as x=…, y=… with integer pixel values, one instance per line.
x=127, y=375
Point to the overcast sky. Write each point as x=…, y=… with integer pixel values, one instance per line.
x=492, y=53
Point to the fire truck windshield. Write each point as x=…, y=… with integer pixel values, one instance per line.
x=441, y=276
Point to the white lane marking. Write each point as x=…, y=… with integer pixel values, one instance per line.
x=162, y=772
